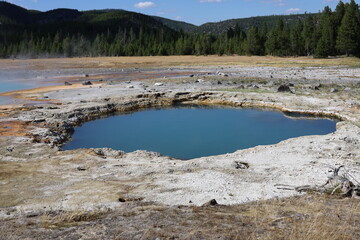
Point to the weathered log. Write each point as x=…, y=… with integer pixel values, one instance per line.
x=335, y=184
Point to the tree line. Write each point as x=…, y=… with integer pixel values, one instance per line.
x=326, y=34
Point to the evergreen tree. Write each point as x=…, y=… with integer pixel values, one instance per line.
x=278, y=42
x=326, y=44
x=253, y=42
x=308, y=34
x=348, y=40
x=67, y=46
x=296, y=39
x=263, y=35
x=98, y=34
x=339, y=13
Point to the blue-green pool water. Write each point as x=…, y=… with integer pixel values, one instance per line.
x=12, y=86
x=9, y=86
x=189, y=132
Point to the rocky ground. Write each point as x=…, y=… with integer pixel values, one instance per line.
x=39, y=181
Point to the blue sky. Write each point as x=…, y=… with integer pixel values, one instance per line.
x=192, y=11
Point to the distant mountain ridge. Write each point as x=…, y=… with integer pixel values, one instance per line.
x=246, y=23
x=13, y=14
x=177, y=25
x=111, y=32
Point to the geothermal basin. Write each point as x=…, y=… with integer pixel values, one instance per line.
x=187, y=132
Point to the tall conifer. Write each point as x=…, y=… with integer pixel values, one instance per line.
x=348, y=40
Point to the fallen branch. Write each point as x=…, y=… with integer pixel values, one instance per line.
x=341, y=184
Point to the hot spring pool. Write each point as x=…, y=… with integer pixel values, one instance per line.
x=188, y=132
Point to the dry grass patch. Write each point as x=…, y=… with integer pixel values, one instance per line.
x=169, y=61
x=68, y=219
x=314, y=217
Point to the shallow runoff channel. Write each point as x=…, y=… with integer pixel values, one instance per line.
x=187, y=132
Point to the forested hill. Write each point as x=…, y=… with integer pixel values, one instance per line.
x=10, y=13
x=247, y=23
x=110, y=32
x=177, y=25
x=67, y=32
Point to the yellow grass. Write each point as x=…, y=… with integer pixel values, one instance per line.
x=170, y=61
x=312, y=217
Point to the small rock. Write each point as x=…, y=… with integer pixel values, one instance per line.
x=130, y=86
x=284, y=88
x=86, y=75
x=192, y=75
x=86, y=83
x=241, y=165
x=158, y=84
x=200, y=80
x=81, y=169
x=32, y=214
x=334, y=90
x=10, y=148
x=291, y=85
x=219, y=83
x=212, y=202
x=99, y=152
x=108, y=152
x=67, y=84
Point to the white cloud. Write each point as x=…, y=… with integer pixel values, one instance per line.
x=204, y=1
x=178, y=17
x=292, y=10
x=278, y=3
x=145, y=5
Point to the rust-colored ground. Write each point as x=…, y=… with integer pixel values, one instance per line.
x=10, y=110
x=14, y=128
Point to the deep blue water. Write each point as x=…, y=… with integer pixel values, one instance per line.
x=191, y=132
